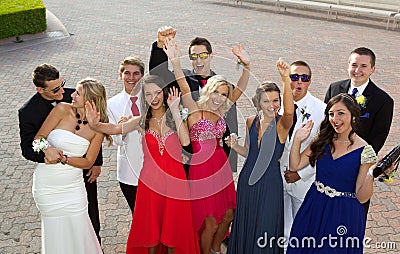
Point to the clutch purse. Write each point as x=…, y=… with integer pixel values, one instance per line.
x=392, y=157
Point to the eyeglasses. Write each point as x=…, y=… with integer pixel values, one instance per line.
x=202, y=55
x=296, y=77
x=55, y=90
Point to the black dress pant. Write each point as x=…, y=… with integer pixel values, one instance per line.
x=129, y=192
x=93, y=205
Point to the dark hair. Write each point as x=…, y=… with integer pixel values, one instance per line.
x=362, y=51
x=327, y=134
x=44, y=72
x=302, y=63
x=146, y=116
x=267, y=86
x=132, y=60
x=201, y=41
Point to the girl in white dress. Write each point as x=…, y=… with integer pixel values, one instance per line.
x=58, y=189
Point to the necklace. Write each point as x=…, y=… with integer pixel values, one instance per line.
x=79, y=122
x=158, y=121
x=342, y=140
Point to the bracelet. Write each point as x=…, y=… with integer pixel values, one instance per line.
x=40, y=144
x=66, y=159
x=370, y=173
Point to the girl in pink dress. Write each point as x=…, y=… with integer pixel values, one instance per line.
x=210, y=176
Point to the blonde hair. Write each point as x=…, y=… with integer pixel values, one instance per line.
x=93, y=90
x=211, y=86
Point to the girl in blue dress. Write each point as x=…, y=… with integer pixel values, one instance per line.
x=259, y=209
x=331, y=218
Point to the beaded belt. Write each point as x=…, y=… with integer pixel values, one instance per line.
x=331, y=192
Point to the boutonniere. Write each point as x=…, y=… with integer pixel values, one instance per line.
x=304, y=113
x=184, y=112
x=361, y=101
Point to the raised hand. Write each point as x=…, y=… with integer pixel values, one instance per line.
x=165, y=32
x=283, y=68
x=241, y=54
x=172, y=50
x=304, y=131
x=173, y=98
x=92, y=115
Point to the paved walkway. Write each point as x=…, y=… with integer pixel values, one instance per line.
x=108, y=31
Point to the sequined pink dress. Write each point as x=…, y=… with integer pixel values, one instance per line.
x=210, y=176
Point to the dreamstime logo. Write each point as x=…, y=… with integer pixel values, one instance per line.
x=340, y=240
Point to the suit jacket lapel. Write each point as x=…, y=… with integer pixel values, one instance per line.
x=345, y=86
x=369, y=90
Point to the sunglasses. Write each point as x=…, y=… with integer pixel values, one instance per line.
x=202, y=55
x=296, y=77
x=55, y=90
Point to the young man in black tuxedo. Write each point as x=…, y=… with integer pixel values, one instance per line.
x=377, y=109
x=49, y=91
x=200, y=55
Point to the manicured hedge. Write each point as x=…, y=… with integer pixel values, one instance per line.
x=18, y=17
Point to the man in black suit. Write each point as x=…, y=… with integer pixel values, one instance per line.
x=377, y=109
x=50, y=90
x=200, y=55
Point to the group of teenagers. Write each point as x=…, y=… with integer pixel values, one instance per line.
x=307, y=173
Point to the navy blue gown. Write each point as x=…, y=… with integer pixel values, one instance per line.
x=336, y=224
x=259, y=209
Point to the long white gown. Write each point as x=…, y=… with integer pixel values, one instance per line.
x=60, y=195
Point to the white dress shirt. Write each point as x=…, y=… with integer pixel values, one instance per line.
x=130, y=154
x=315, y=108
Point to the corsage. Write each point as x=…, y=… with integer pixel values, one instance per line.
x=40, y=144
x=184, y=113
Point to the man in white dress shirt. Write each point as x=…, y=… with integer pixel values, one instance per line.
x=125, y=104
x=296, y=184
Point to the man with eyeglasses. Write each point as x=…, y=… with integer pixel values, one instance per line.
x=49, y=91
x=200, y=55
x=307, y=107
x=375, y=104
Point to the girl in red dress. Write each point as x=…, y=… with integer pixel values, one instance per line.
x=162, y=220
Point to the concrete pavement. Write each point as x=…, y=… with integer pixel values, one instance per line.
x=105, y=32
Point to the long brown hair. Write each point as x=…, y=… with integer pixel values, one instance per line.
x=146, y=111
x=327, y=134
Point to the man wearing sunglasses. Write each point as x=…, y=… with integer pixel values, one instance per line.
x=377, y=109
x=307, y=107
x=200, y=54
x=49, y=91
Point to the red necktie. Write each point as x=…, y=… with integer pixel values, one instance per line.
x=134, y=108
x=203, y=82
